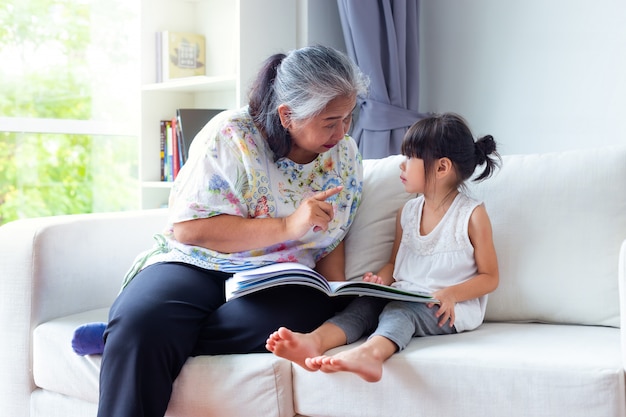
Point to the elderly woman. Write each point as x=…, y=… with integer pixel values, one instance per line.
x=278, y=180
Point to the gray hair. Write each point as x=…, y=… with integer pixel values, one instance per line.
x=309, y=78
x=305, y=80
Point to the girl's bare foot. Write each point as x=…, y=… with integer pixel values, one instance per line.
x=365, y=360
x=294, y=346
x=352, y=360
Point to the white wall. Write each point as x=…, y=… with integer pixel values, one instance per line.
x=319, y=23
x=538, y=75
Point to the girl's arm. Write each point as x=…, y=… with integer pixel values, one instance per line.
x=385, y=274
x=487, y=277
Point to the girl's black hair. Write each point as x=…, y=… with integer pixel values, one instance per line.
x=448, y=135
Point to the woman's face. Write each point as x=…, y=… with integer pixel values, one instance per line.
x=320, y=133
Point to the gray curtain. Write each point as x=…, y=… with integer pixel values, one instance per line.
x=382, y=38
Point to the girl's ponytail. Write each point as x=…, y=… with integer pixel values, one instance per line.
x=485, y=153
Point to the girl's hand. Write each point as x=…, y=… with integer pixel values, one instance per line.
x=371, y=277
x=378, y=279
x=445, y=311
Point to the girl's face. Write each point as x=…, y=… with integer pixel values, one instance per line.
x=320, y=133
x=413, y=175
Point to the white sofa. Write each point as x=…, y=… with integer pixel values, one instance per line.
x=551, y=345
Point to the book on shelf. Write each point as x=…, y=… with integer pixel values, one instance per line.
x=169, y=150
x=179, y=54
x=189, y=122
x=176, y=135
x=169, y=173
x=176, y=153
x=163, y=146
x=291, y=273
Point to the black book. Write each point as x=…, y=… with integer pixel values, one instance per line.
x=190, y=122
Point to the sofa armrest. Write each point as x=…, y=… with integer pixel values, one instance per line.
x=56, y=266
x=621, y=276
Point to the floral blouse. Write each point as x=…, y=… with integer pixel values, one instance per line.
x=231, y=170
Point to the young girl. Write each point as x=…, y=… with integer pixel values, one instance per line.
x=443, y=246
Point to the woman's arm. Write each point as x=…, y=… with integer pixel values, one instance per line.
x=228, y=233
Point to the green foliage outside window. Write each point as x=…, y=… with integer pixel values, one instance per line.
x=48, y=72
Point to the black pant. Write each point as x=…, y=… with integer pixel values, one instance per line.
x=172, y=311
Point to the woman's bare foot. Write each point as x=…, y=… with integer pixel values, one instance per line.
x=294, y=346
x=365, y=360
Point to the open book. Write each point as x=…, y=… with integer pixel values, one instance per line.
x=291, y=273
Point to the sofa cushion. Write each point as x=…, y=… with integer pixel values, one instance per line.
x=558, y=222
x=225, y=385
x=536, y=370
x=370, y=238
x=558, y=263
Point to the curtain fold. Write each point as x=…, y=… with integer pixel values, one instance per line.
x=382, y=38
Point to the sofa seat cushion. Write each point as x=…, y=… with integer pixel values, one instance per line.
x=535, y=369
x=226, y=385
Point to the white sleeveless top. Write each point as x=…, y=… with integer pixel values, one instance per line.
x=442, y=258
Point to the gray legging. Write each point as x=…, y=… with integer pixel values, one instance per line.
x=398, y=321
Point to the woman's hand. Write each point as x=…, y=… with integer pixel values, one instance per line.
x=314, y=212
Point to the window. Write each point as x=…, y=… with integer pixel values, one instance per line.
x=69, y=107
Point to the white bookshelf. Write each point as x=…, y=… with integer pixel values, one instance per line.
x=240, y=34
